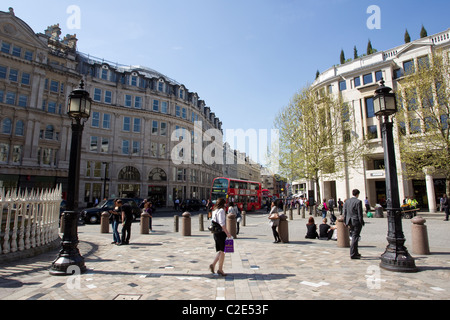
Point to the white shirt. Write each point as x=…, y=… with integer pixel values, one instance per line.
x=219, y=216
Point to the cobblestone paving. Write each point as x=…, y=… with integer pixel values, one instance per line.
x=166, y=266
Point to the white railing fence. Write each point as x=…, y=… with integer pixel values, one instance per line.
x=28, y=219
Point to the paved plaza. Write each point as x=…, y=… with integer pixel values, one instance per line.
x=164, y=265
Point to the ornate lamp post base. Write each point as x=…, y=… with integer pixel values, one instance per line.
x=396, y=257
x=69, y=260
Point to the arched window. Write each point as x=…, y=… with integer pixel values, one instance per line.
x=20, y=128
x=130, y=174
x=6, y=126
x=157, y=174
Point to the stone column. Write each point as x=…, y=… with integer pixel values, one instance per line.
x=430, y=189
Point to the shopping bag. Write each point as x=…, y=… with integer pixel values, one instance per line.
x=229, y=245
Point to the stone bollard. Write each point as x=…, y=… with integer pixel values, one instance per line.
x=231, y=224
x=343, y=234
x=291, y=216
x=175, y=223
x=283, y=229
x=303, y=212
x=420, y=236
x=200, y=222
x=298, y=210
x=244, y=218
x=104, y=224
x=145, y=223
x=186, y=224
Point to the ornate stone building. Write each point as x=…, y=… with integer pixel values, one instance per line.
x=127, y=142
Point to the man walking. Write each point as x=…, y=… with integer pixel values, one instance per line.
x=353, y=217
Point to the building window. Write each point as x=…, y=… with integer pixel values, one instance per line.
x=25, y=78
x=138, y=102
x=49, y=132
x=367, y=78
x=128, y=101
x=28, y=55
x=108, y=97
x=125, y=147
x=163, y=129
x=6, y=47
x=370, y=112
x=184, y=113
x=126, y=124
x=178, y=111
x=414, y=126
x=51, y=107
x=13, y=75
x=105, y=145
x=94, y=144
x=97, y=95
x=2, y=72
x=357, y=81
x=17, y=154
x=372, y=132
x=378, y=75
x=136, y=148
x=6, y=126
x=23, y=100
x=95, y=119
x=160, y=86
x=130, y=173
x=4, y=151
x=153, y=150
x=398, y=73
x=20, y=128
x=342, y=85
x=156, y=105
x=408, y=66
x=106, y=121
x=17, y=51
x=11, y=98
x=154, y=128
x=136, y=125
x=164, y=108
x=54, y=86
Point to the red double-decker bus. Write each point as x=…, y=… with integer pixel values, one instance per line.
x=246, y=194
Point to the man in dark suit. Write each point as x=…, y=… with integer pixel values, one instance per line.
x=353, y=218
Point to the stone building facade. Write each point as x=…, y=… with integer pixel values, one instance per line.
x=138, y=117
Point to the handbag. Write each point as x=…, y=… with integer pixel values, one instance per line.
x=274, y=216
x=215, y=227
x=229, y=245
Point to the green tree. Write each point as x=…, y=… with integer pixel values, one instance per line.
x=316, y=137
x=369, y=48
x=423, y=32
x=407, y=37
x=423, y=119
x=355, y=53
x=342, y=56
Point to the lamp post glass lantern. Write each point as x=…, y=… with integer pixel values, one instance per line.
x=69, y=260
x=396, y=257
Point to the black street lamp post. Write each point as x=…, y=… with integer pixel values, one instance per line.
x=396, y=257
x=69, y=258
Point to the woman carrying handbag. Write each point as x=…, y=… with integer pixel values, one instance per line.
x=274, y=221
x=218, y=215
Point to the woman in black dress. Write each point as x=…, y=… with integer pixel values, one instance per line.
x=218, y=215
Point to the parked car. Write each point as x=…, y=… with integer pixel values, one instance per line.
x=190, y=205
x=93, y=215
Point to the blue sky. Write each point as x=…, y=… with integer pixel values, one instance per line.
x=245, y=58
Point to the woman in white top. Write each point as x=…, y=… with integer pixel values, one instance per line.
x=218, y=215
x=274, y=221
